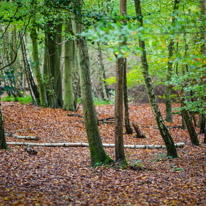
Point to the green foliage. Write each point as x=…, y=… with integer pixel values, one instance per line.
x=159, y=157
x=176, y=169
x=99, y=101
x=136, y=163
x=23, y=100
x=193, y=89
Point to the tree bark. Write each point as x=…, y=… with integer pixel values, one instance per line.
x=52, y=72
x=120, y=64
x=171, y=150
x=68, y=70
x=203, y=51
x=35, y=54
x=126, y=105
x=3, y=144
x=98, y=154
x=29, y=76
x=190, y=126
x=205, y=134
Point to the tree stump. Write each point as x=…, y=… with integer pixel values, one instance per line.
x=138, y=131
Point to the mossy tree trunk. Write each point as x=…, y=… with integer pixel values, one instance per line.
x=98, y=154
x=68, y=70
x=171, y=149
x=52, y=72
x=3, y=144
x=35, y=54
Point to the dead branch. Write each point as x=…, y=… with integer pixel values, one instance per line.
x=105, y=120
x=80, y=144
x=22, y=137
x=74, y=115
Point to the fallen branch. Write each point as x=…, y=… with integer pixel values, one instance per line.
x=22, y=137
x=74, y=115
x=80, y=144
x=105, y=120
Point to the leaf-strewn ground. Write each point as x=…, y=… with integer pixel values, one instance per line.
x=62, y=176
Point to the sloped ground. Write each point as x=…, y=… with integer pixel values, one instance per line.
x=62, y=176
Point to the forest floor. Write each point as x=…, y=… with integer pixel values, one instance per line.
x=63, y=176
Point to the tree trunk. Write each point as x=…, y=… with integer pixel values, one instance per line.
x=37, y=72
x=205, y=134
x=57, y=69
x=68, y=70
x=98, y=154
x=29, y=76
x=126, y=106
x=203, y=51
x=120, y=64
x=102, y=83
x=190, y=127
x=169, y=117
x=202, y=124
x=119, y=142
x=52, y=72
x=3, y=144
x=171, y=150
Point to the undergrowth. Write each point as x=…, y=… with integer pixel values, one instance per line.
x=23, y=100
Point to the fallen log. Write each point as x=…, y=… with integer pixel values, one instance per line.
x=22, y=137
x=81, y=144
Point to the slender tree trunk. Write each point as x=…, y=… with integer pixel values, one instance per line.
x=29, y=76
x=37, y=72
x=205, y=134
x=171, y=149
x=68, y=70
x=126, y=105
x=190, y=127
x=119, y=142
x=120, y=64
x=57, y=69
x=16, y=65
x=101, y=73
x=98, y=154
x=169, y=117
x=203, y=51
x=3, y=144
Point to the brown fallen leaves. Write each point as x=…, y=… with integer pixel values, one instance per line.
x=62, y=176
